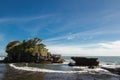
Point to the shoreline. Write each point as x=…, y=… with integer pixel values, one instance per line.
x=85, y=70
x=17, y=73
x=21, y=71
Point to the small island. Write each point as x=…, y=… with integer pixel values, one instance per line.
x=32, y=50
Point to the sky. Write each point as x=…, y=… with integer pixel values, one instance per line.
x=67, y=27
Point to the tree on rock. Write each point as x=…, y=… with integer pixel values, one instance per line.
x=27, y=51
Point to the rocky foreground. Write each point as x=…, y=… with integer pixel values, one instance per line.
x=112, y=70
x=53, y=59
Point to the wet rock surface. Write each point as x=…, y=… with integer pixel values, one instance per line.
x=83, y=61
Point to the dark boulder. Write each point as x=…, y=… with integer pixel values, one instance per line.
x=112, y=70
x=57, y=59
x=83, y=61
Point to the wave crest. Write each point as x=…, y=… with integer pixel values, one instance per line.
x=85, y=70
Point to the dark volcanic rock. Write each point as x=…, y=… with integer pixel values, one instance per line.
x=47, y=60
x=57, y=59
x=30, y=51
x=112, y=70
x=83, y=61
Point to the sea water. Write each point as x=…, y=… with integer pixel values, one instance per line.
x=106, y=59
x=21, y=71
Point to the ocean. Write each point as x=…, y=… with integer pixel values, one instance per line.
x=32, y=71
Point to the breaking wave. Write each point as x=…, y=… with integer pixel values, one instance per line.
x=82, y=70
x=110, y=65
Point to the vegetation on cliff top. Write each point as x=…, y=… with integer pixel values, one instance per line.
x=29, y=51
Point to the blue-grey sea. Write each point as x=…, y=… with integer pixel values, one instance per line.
x=21, y=71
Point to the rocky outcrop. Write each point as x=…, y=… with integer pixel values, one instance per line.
x=83, y=61
x=52, y=59
x=112, y=70
x=57, y=59
x=32, y=51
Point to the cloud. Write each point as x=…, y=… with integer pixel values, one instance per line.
x=5, y=20
x=98, y=49
x=107, y=21
x=79, y=35
x=2, y=38
x=30, y=24
x=24, y=19
x=104, y=25
x=111, y=45
x=2, y=52
x=68, y=36
x=33, y=31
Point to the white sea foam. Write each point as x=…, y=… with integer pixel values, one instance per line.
x=68, y=61
x=85, y=70
x=109, y=65
x=39, y=69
